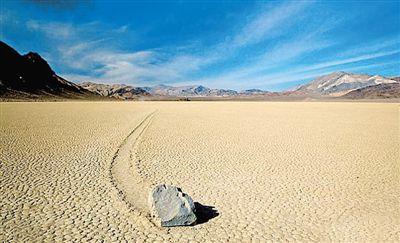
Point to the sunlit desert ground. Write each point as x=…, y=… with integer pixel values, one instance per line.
x=81, y=171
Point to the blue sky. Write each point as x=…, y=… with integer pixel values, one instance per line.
x=272, y=45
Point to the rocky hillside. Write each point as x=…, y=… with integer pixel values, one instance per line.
x=380, y=91
x=119, y=91
x=341, y=83
x=30, y=77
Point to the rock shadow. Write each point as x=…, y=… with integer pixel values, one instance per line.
x=204, y=213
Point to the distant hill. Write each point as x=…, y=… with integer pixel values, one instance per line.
x=119, y=91
x=380, y=91
x=30, y=77
x=340, y=83
x=258, y=92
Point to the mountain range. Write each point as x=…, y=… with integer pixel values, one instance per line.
x=338, y=84
x=29, y=76
x=125, y=91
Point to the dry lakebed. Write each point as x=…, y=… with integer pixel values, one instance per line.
x=258, y=171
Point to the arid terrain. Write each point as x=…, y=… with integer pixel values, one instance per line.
x=263, y=171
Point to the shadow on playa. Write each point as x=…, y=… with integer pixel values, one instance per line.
x=204, y=213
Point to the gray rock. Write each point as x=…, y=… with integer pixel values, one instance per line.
x=171, y=207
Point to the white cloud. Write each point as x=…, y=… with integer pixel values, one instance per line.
x=111, y=65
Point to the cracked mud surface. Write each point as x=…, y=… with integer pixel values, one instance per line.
x=273, y=171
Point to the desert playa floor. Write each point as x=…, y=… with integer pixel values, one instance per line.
x=263, y=171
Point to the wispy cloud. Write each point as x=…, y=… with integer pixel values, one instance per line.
x=371, y=46
x=122, y=29
x=52, y=29
x=351, y=60
x=268, y=23
x=284, y=52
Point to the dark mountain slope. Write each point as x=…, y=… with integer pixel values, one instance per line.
x=30, y=77
x=380, y=91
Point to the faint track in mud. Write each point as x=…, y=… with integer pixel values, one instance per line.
x=123, y=171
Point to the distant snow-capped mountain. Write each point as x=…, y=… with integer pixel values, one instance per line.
x=341, y=83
